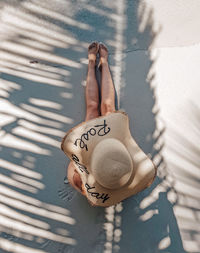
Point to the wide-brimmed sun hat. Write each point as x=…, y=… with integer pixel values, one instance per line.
x=111, y=165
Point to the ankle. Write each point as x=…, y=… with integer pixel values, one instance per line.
x=104, y=64
x=91, y=57
x=91, y=63
x=103, y=60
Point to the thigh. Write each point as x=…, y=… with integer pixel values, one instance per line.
x=92, y=114
x=108, y=112
x=107, y=109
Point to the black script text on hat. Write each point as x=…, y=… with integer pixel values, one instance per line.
x=80, y=166
x=96, y=195
x=104, y=129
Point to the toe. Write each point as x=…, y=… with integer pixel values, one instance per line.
x=102, y=46
x=94, y=44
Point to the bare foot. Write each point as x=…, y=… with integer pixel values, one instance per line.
x=92, y=51
x=103, y=52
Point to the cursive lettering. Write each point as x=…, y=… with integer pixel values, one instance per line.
x=80, y=166
x=100, y=130
x=104, y=129
x=97, y=195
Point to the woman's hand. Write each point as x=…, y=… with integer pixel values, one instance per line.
x=74, y=178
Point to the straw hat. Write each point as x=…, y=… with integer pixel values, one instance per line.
x=111, y=165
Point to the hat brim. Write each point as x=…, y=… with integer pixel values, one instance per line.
x=79, y=143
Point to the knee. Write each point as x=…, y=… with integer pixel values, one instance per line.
x=107, y=107
x=92, y=110
x=92, y=106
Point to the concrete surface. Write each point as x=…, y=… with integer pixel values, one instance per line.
x=154, y=56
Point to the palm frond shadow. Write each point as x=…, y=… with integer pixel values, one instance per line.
x=148, y=222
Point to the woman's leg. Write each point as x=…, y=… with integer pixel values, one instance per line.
x=92, y=90
x=92, y=107
x=107, y=86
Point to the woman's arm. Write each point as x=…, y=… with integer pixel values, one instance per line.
x=73, y=177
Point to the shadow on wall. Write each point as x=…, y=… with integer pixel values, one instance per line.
x=33, y=121
x=183, y=146
x=147, y=220
x=40, y=100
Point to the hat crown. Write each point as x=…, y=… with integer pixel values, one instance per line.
x=111, y=164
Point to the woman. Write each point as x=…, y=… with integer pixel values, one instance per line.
x=92, y=97
x=111, y=166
